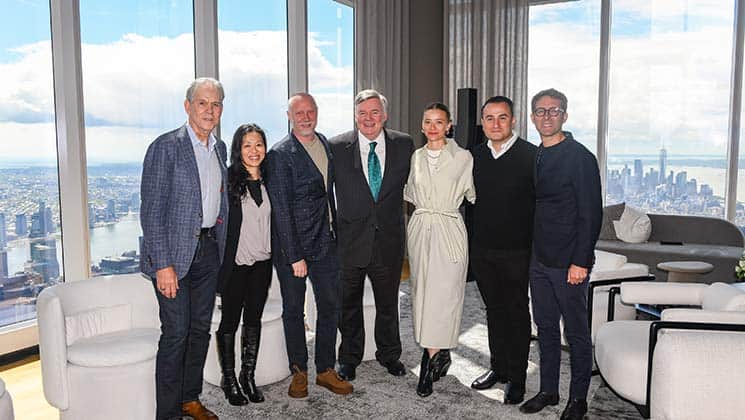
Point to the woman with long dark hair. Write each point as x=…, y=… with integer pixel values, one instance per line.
x=246, y=272
x=439, y=180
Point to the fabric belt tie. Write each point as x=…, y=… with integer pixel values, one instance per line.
x=456, y=253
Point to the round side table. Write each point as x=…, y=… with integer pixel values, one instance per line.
x=685, y=271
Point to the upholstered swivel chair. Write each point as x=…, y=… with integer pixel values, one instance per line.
x=97, y=343
x=6, y=403
x=689, y=364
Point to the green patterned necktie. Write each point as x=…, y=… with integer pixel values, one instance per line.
x=373, y=171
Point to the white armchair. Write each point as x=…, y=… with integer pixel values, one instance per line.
x=6, y=403
x=97, y=343
x=688, y=365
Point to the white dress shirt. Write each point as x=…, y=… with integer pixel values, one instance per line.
x=365, y=152
x=503, y=148
x=210, y=178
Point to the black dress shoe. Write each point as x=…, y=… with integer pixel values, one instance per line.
x=395, y=367
x=514, y=393
x=347, y=372
x=539, y=402
x=487, y=380
x=575, y=410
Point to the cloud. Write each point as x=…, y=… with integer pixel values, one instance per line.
x=670, y=87
x=134, y=89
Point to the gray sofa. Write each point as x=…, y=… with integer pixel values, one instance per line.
x=707, y=239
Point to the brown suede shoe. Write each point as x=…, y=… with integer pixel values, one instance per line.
x=299, y=384
x=197, y=411
x=333, y=382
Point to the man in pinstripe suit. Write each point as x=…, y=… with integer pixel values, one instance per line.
x=184, y=204
x=372, y=165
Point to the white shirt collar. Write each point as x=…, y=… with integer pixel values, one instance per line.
x=503, y=148
x=379, y=139
x=211, y=141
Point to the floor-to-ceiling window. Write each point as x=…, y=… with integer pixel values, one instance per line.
x=253, y=65
x=30, y=237
x=137, y=60
x=564, y=45
x=330, y=64
x=669, y=105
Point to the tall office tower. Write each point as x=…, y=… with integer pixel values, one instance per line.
x=3, y=231
x=44, y=258
x=134, y=202
x=638, y=172
x=48, y=222
x=91, y=216
x=663, y=164
x=21, y=224
x=111, y=211
x=37, y=226
x=3, y=264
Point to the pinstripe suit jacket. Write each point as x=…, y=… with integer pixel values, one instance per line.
x=171, y=210
x=300, y=202
x=364, y=222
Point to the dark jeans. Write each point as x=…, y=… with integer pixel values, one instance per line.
x=185, y=332
x=553, y=297
x=246, y=291
x=324, y=278
x=385, y=280
x=502, y=277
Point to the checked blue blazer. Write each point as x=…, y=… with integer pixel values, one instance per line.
x=300, y=202
x=171, y=209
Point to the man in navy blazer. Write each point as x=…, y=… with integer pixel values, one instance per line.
x=300, y=183
x=568, y=214
x=184, y=204
x=372, y=166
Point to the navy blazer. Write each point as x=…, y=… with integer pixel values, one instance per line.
x=171, y=207
x=362, y=220
x=300, y=201
x=569, y=206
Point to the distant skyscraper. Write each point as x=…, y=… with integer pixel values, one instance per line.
x=21, y=224
x=48, y=223
x=663, y=164
x=3, y=231
x=3, y=264
x=111, y=211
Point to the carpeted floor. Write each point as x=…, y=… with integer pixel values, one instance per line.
x=381, y=396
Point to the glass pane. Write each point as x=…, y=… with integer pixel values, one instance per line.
x=331, y=64
x=564, y=54
x=138, y=59
x=669, y=102
x=253, y=65
x=30, y=247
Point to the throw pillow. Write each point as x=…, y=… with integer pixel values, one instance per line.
x=610, y=214
x=634, y=226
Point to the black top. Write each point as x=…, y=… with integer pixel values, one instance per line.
x=503, y=214
x=569, y=206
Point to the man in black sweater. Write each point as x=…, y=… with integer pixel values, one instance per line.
x=568, y=214
x=502, y=228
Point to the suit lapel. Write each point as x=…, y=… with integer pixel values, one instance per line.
x=391, y=160
x=191, y=159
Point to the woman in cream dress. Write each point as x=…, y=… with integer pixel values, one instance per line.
x=440, y=178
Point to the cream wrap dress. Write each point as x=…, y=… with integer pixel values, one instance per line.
x=437, y=243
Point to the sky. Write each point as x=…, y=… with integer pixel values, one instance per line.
x=669, y=77
x=670, y=71
x=137, y=60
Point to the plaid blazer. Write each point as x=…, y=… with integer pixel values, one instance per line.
x=300, y=202
x=171, y=209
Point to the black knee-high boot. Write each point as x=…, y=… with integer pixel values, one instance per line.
x=249, y=352
x=424, y=387
x=226, y=356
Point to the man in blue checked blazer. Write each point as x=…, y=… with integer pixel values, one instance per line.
x=300, y=183
x=184, y=205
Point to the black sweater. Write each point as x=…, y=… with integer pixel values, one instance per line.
x=502, y=218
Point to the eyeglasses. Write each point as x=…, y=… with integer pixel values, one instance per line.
x=552, y=112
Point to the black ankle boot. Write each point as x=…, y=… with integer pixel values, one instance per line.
x=226, y=356
x=440, y=364
x=249, y=352
x=424, y=387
